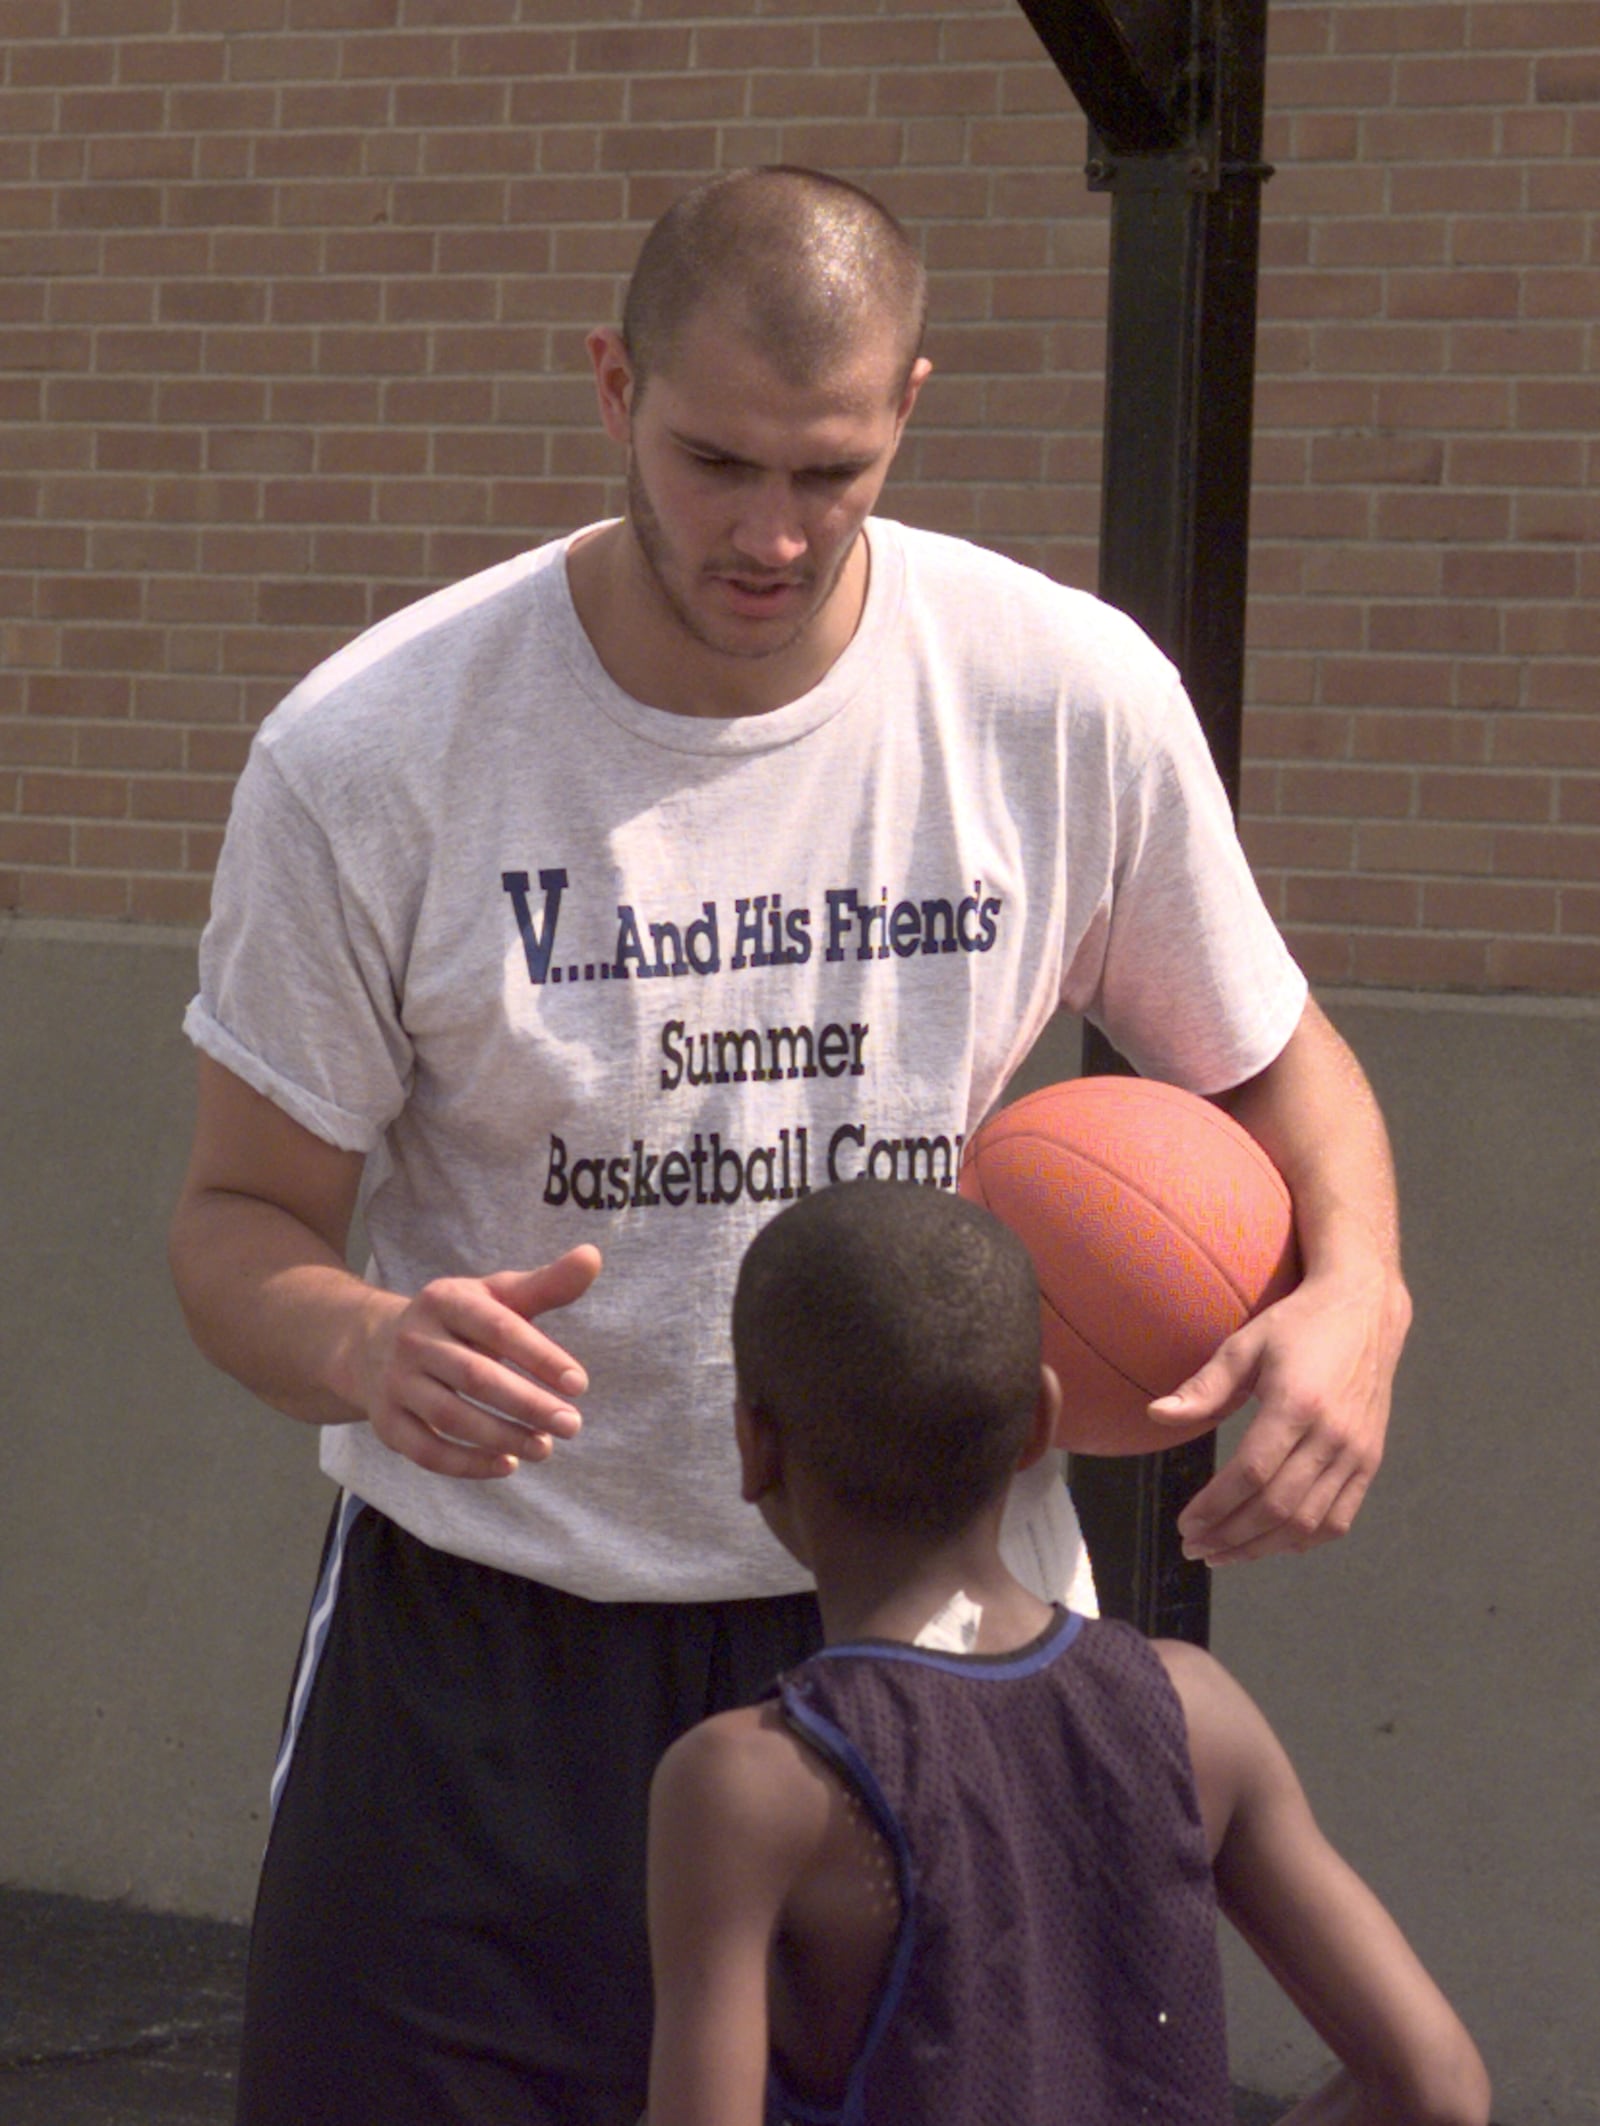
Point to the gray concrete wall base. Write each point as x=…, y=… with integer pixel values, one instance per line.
x=158, y=1529
x=1437, y=1676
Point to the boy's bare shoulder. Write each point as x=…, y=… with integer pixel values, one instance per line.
x=1234, y=1753
x=749, y=1775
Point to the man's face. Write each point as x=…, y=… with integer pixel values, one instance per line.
x=746, y=492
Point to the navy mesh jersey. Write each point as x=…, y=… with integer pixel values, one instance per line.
x=1056, y=1962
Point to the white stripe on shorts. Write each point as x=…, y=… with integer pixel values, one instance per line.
x=316, y=1637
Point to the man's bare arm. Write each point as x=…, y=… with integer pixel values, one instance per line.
x=257, y=1253
x=1405, y=2059
x=1322, y=1361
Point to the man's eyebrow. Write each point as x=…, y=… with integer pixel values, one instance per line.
x=703, y=447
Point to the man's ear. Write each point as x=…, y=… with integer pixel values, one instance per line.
x=921, y=370
x=1046, y=1416
x=760, y=1453
x=613, y=381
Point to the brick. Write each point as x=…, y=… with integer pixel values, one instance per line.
x=1556, y=631
x=1439, y=847
x=1529, y=25
x=34, y=842
x=1547, y=741
x=86, y=896
x=1396, y=28
x=1322, y=83
x=1567, y=77
x=1440, y=407
x=1510, y=573
x=1519, y=240
x=1568, y=854
x=1556, y=685
x=1560, y=292
x=1366, y=461
x=179, y=901
x=258, y=450
x=1419, y=738
x=1432, y=136
x=1564, y=187
x=1513, y=462
x=187, y=699
x=1569, y=406
x=1438, y=82
x=1489, y=684
x=1378, y=903
x=678, y=98
x=1396, y=572
x=1568, y=968
x=1484, y=795
x=1412, y=514
x=1402, y=962
x=1357, y=793
x=168, y=61
x=1488, y=905
x=128, y=848
x=1517, y=349
x=631, y=51
x=1427, y=626
x=1580, y=912
x=74, y=796
x=1579, y=801
x=143, y=749
x=1377, y=241
x=1384, y=683
x=1453, y=187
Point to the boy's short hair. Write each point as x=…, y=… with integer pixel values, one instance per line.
x=890, y=1332
x=804, y=262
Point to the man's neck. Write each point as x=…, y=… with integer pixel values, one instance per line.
x=647, y=651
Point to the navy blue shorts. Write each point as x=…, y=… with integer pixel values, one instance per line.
x=450, y=1923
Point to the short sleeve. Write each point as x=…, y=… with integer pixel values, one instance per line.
x=1195, y=983
x=299, y=993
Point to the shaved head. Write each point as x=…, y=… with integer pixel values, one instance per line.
x=805, y=266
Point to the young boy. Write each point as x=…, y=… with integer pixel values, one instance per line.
x=963, y=1868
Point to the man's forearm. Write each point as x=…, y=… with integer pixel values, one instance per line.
x=1315, y=1115
x=271, y=1303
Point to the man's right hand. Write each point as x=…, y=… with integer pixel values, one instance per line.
x=460, y=1381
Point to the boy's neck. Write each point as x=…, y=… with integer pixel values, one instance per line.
x=885, y=1584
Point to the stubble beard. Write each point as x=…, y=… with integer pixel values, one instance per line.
x=658, y=558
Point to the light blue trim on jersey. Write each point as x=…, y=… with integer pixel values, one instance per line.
x=316, y=1637
x=839, y=1750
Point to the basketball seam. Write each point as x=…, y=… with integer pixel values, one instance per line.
x=1094, y=1349
x=1132, y=1189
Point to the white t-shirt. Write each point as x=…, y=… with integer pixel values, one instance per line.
x=567, y=968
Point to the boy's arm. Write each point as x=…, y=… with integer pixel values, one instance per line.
x=733, y=1815
x=1324, y=1936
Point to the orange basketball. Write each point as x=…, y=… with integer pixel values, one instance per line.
x=1157, y=1226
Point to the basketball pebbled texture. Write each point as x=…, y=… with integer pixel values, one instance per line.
x=1157, y=1226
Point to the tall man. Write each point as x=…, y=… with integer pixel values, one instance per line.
x=734, y=849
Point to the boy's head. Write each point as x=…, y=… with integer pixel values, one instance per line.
x=889, y=1334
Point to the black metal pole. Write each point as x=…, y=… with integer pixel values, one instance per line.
x=1175, y=92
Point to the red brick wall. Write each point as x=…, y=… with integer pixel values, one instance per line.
x=292, y=299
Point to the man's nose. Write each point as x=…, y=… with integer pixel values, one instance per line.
x=771, y=528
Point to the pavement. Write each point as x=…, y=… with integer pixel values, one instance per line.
x=115, y=2017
